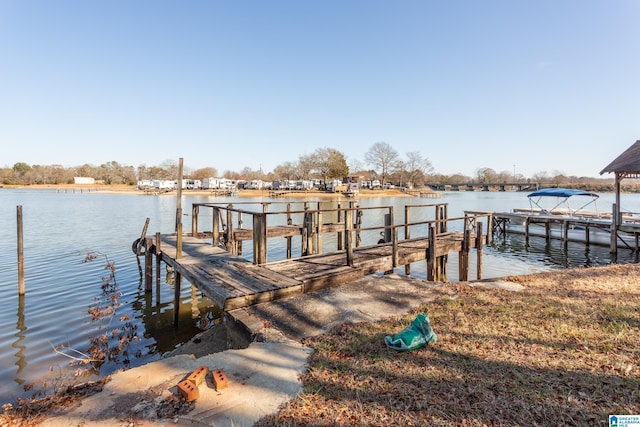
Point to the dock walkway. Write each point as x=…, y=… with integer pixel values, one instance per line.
x=233, y=282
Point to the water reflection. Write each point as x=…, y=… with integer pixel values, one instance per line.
x=21, y=363
x=557, y=254
x=197, y=313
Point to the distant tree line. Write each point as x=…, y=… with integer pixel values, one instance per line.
x=381, y=162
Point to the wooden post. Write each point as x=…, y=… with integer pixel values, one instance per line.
x=526, y=230
x=318, y=230
x=613, y=247
x=587, y=236
x=565, y=233
x=388, y=222
x=340, y=237
x=479, y=251
x=441, y=266
x=179, y=211
x=308, y=225
x=444, y=214
x=228, y=241
x=547, y=230
x=407, y=235
x=391, y=235
x=463, y=257
x=431, y=254
x=358, y=225
x=289, y=222
x=240, y=224
x=215, y=226
x=158, y=262
x=20, y=251
x=489, y=229
x=176, y=297
x=348, y=236
x=304, y=240
x=195, y=209
x=259, y=238
x=394, y=246
x=148, y=265
x=407, y=218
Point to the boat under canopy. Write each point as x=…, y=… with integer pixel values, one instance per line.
x=560, y=197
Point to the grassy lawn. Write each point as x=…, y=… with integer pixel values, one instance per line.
x=565, y=351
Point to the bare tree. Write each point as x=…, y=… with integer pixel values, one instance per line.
x=204, y=173
x=486, y=175
x=355, y=165
x=170, y=168
x=540, y=177
x=416, y=166
x=382, y=157
x=305, y=166
x=329, y=163
x=286, y=170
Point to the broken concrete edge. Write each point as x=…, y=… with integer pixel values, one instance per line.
x=242, y=325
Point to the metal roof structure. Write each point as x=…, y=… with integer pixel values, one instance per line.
x=627, y=164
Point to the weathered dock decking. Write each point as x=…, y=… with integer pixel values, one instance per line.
x=207, y=260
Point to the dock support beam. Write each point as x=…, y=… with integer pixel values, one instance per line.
x=407, y=234
x=179, y=210
x=158, y=262
x=176, y=297
x=431, y=254
x=479, y=251
x=148, y=264
x=20, y=251
x=463, y=257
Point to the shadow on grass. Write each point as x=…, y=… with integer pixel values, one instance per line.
x=539, y=358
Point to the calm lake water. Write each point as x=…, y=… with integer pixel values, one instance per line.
x=66, y=291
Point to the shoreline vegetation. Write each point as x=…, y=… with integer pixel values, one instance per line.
x=631, y=186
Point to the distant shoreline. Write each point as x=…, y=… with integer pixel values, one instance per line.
x=130, y=189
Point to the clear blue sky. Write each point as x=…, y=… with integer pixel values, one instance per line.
x=539, y=85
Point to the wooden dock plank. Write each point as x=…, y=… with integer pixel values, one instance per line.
x=233, y=282
x=220, y=275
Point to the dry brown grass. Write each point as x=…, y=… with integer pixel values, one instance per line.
x=563, y=352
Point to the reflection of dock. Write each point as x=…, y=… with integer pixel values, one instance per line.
x=231, y=281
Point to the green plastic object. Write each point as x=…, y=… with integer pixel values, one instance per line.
x=416, y=335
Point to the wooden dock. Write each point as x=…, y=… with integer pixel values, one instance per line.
x=592, y=228
x=211, y=262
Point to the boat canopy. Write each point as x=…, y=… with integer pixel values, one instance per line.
x=561, y=196
x=561, y=192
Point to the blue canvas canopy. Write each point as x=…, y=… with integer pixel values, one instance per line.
x=561, y=192
x=561, y=196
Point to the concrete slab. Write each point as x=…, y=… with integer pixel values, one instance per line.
x=261, y=378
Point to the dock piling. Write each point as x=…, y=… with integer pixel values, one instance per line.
x=21, y=289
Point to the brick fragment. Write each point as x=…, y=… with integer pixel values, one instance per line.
x=219, y=379
x=199, y=375
x=189, y=390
